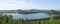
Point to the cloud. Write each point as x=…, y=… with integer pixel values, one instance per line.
x=28, y=4
x=18, y=5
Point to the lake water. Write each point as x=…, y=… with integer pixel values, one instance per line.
x=29, y=16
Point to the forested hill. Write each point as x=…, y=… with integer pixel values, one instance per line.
x=17, y=11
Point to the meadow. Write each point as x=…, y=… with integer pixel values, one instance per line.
x=8, y=19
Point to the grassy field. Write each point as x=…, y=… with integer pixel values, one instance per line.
x=8, y=20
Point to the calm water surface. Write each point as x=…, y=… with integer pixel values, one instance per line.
x=29, y=16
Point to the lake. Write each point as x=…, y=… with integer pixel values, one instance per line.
x=29, y=16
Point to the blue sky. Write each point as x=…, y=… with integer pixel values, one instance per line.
x=29, y=4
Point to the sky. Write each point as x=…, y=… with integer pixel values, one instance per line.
x=29, y=4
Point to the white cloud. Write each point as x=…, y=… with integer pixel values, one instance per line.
x=19, y=5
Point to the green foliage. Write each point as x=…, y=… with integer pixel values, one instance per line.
x=53, y=12
x=8, y=19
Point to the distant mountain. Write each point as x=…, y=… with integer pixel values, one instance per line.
x=21, y=11
x=32, y=11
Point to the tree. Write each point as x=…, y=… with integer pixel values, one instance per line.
x=52, y=12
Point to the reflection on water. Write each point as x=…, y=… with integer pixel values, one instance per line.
x=29, y=16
